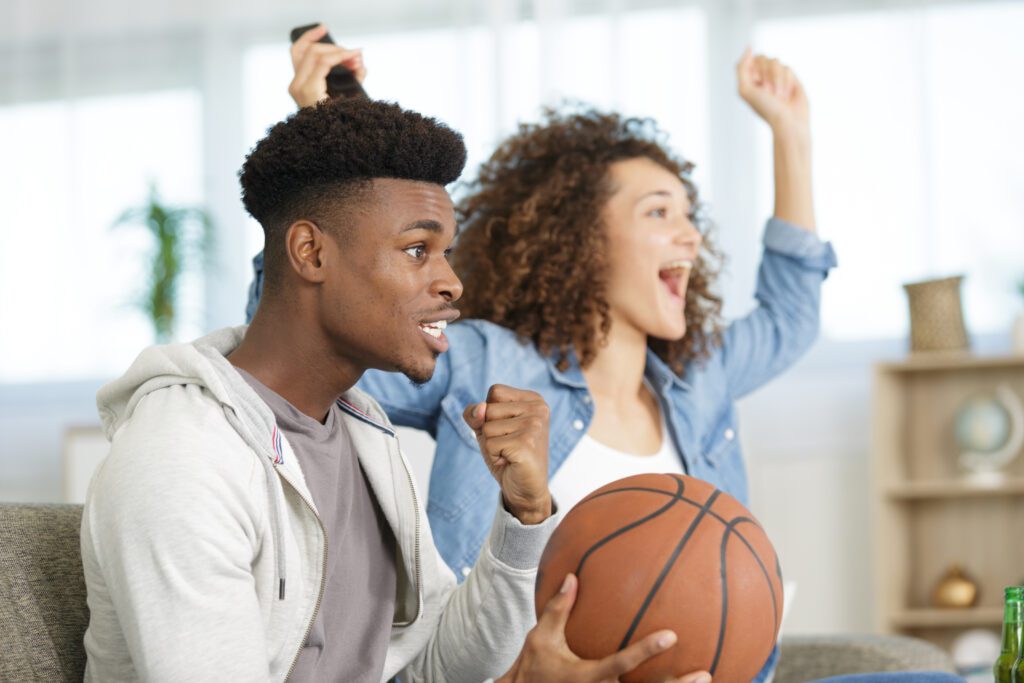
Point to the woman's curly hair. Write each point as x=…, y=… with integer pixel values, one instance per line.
x=532, y=248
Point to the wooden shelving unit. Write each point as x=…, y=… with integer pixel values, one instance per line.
x=928, y=515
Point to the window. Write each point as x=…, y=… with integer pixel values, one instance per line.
x=68, y=278
x=918, y=144
x=484, y=81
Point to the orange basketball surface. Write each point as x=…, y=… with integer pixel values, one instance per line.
x=657, y=551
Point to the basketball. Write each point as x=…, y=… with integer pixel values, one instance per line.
x=667, y=551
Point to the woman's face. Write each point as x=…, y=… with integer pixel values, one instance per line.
x=652, y=247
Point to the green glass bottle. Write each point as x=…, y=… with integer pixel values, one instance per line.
x=1007, y=668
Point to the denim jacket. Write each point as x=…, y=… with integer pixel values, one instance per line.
x=699, y=407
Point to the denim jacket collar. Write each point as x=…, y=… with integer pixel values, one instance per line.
x=572, y=376
x=661, y=376
x=657, y=372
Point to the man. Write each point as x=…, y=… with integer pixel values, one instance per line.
x=251, y=525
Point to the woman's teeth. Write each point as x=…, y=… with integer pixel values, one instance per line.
x=676, y=267
x=434, y=329
x=675, y=275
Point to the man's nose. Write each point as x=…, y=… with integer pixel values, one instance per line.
x=448, y=285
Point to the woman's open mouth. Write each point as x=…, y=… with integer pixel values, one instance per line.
x=675, y=275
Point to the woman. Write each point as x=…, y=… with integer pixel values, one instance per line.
x=588, y=278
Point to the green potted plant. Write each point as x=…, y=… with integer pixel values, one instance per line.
x=181, y=236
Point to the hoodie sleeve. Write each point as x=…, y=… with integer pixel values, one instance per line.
x=168, y=541
x=483, y=624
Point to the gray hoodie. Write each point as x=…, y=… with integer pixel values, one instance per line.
x=204, y=554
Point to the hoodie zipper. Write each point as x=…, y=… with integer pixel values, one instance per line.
x=323, y=575
x=416, y=544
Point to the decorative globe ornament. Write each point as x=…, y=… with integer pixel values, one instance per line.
x=989, y=429
x=973, y=653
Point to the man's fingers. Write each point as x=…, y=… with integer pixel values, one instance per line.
x=511, y=447
x=556, y=612
x=528, y=424
x=474, y=415
x=502, y=393
x=695, y=677
x=624, y=661
x=514, y=409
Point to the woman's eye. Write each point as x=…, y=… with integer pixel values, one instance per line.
x=417, y=252
x=658, y=213
x=448, y=253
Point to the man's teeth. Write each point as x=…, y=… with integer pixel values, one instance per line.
x=434, y=329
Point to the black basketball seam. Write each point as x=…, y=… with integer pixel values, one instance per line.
x=662, y=492
x=723, y=574
x=680, y=488
x=668, y=565
x=723, y=578
x=764, y=570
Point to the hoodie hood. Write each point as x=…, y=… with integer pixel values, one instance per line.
x=204, y=362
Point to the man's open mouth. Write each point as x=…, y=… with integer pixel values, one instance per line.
x=434, y=329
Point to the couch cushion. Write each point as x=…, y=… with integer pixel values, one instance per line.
x=43, y=612
x=807, y=658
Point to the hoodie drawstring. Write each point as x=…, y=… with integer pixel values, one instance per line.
x=274, y=497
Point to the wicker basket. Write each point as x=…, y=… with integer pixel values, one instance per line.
x=936, y=316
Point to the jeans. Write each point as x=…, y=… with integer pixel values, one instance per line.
x=902, y=677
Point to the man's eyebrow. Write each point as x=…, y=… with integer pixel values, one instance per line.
x=430, y=225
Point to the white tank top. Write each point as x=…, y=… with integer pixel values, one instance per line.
x=591, y=465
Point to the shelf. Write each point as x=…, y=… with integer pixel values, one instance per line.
x=929, y=513
x=953, y=618
x=923, y=490
x=951, y=360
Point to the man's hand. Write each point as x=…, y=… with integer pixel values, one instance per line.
x=313, y=61
x=547, y=657
x=773, y=91
x=512, y=429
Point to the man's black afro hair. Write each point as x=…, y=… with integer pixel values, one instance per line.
x=340, y=145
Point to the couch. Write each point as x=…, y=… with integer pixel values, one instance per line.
x=43, y=613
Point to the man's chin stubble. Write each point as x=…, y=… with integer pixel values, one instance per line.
x=417, y=376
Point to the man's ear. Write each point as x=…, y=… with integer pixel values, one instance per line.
x=305, y=243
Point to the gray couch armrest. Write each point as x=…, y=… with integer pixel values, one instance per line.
x=807, y=658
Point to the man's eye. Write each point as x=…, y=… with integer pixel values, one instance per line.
x=417, y=252
x=448, y=253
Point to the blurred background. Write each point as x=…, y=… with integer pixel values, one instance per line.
x=917, y=111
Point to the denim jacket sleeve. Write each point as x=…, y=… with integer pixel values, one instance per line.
x=255, y=288
x=785, y=322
